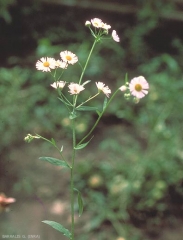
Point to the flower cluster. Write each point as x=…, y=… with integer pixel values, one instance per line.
x=97, y=23
x=46, y=64
x=138, y=86
x=5, y=202
x=75, y=88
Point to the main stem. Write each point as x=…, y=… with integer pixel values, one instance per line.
x=74, y=144
x=74, y=141
x=72, y=179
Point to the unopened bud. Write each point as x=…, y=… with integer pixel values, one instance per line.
x=136, y=100
x=123, y=88
x=106, y=31
x=30, y=137
x=127, y=96
x=87, y=23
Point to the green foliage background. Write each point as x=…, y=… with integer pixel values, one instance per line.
x=142, y=177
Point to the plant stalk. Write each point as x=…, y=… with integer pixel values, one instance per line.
x=89, y=55
x=72, y=178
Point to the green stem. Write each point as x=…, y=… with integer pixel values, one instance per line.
x=54, y=144
x=72, y=179
x=81, y=77
x=90, y=98
x=99, y=117
x=84, y=69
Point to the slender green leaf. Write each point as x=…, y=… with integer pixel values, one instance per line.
x=80, y=202
x=53, y=141
x=61, y=149
x=98, y=112
x=55, y=161
x=105, y=103
x=86, y=108
x=58, y=227
x=83, y=145
x=86, y=82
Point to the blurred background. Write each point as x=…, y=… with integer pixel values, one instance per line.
x=131, y=174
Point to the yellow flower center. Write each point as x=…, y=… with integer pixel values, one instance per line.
x=69, y=58
x=46, y=64
x=138, y=87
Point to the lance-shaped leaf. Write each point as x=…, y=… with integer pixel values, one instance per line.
x=58, y=227
x=99, y=113
x=80, y=202
x=61, y=149
x=53, y=141
x=81, y=146
x=86, y=82
x=86, y=108
x=55, y=161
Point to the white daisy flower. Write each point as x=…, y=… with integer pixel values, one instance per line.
x=105, y=89
x=105, y=26
x=45, y=64
x=61, y=64
x=96, y=22
x=59, y=84
x=115, y=36
x=139, y=87
x=68, y=57
x=75, y=88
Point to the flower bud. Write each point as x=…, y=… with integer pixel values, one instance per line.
x=28, y=138
x=127, y=96
x=123, y=88
x=136, y=100
x=87, y=23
